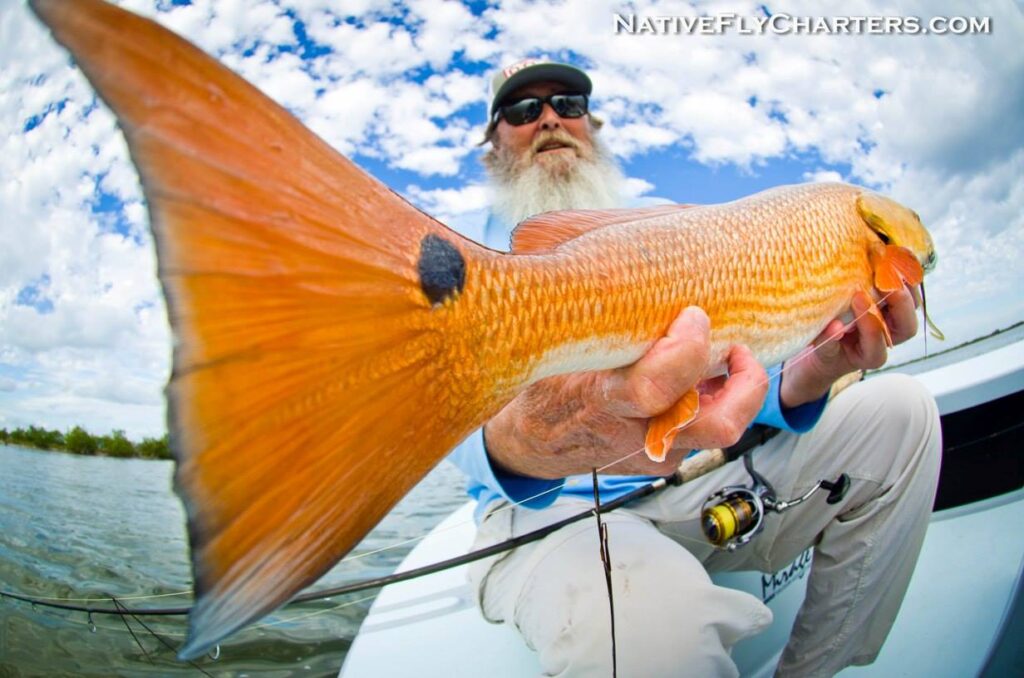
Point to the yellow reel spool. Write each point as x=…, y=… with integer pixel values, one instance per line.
x=727, y=519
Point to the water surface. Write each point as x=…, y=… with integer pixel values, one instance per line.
x=86, y=527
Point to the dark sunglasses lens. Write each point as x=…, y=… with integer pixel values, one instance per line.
x=522, y=112
x=527, y=110
x=569, y=105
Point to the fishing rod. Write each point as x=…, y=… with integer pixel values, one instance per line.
x=730, y=518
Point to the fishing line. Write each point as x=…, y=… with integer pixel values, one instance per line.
x=515, y=504
x=106, y=598
x=924, y=309
x=557, y=488
x=158, y=637
x=316, y=613
x=479, y=554
x=785, y=366
x=125, y=611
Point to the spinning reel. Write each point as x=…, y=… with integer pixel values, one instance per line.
x=734, y=515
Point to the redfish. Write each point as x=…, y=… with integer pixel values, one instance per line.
x=333, y=343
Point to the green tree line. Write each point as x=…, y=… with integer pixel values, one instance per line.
x=79, y=441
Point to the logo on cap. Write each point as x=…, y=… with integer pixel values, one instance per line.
x=509, y=71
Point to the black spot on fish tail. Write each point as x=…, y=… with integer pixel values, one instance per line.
x=442, y=269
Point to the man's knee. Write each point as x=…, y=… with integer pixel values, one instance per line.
x=895, y=421
x=896, y=401
x=668, y=613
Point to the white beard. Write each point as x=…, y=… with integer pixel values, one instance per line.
x=523, y=188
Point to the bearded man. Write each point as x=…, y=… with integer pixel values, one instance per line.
x=529, y=466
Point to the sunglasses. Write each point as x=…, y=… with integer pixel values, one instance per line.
x=529, y=109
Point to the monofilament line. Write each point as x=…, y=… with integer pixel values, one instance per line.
x=785, y=366
x=557, y=488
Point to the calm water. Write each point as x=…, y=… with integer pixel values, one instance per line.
x=80, y=527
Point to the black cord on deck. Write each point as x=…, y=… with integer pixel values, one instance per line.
x=606, y=561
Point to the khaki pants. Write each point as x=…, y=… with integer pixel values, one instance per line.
x=671, y=620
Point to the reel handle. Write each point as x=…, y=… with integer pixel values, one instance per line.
x=837, y=489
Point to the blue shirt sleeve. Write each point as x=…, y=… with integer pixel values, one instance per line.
x=797, y=419
x=487, y=483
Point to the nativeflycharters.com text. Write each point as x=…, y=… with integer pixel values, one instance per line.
x=787, y=24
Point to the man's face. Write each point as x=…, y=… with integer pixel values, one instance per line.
x=551, y=141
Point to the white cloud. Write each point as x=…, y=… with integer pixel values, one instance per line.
x=343, y=116
x=450, y=202
x=636, y=187
x=822, y=176
x=636, y=137
x=445, y=27
x=726, y=129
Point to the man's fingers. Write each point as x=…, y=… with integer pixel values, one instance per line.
x=901, y=315
x=672, y=367
x=827, y=343
x=870, y=346
x=727, y=412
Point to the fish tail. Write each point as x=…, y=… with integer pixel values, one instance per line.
x=311, y=307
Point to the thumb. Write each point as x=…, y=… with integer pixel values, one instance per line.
x=827, y=344
x=669, y=369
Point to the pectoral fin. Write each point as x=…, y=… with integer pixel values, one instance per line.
x=662, y=429
x=894, y=266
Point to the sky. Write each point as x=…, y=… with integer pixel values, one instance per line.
x=701, y=116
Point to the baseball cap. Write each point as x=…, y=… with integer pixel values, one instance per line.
x=529, y=71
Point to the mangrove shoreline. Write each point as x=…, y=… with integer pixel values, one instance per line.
x=79, y=441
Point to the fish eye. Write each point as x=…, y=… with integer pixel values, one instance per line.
x=884, y=237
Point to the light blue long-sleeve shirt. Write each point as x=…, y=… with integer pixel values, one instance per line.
x=487, y=483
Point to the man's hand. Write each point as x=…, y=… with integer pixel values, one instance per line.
x=837, y=351
x=572, y=423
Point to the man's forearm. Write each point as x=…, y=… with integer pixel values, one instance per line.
x=551, y=430
x=509, y=455
x=571, y=424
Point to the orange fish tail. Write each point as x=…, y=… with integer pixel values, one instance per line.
x=309, y=305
